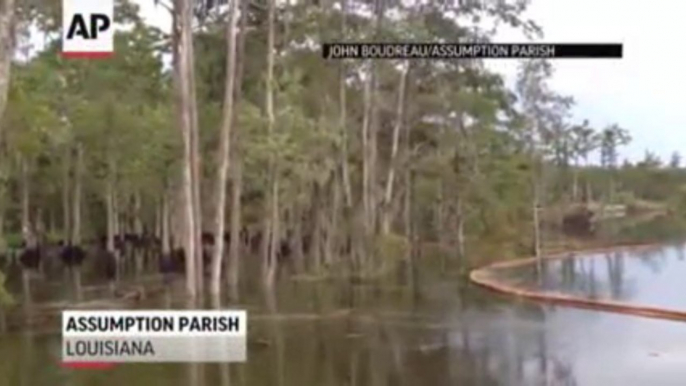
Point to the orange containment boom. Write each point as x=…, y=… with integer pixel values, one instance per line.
x=485, y=278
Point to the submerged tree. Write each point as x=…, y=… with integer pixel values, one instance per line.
x=224, y=147
x=332, y=168
x=187, y=119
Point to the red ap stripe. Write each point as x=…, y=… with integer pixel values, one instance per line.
x=88, y=365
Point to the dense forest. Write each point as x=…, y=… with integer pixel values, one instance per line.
x=234, y=125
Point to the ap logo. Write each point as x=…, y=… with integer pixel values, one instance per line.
x=87, y=28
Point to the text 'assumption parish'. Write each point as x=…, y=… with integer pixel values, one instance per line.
x=143, y=324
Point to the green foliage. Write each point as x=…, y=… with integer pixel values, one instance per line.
x=467, y=139
x=13, y=240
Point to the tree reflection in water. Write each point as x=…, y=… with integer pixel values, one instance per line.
x=224, y=368
x=423, y=329
x=678, y=250
x=277, y=336
x=653, y=258
x=195, y=371
x=468, y=342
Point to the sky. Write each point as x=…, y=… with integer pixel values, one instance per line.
x=642, y=92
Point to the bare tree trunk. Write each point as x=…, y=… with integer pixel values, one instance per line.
x=315, y=251
x=76, y=206
x=182, y=63
x=40, y=234
x=157, y=228
x=357, y=240
x=274, y=194
x=6, y=52
x=196, y=178
x=116, y=219
x=265, y=242
x=78, y=165
x=373, y=153
x=237, y=170
x=365, y=144
x=275, y=233
x=40, y=227
x=26, y=287
x=165, y=237
x=111, y=214
x=321, y=228
x=195, y=157
x=138, y=255
x=366, y=172
x=178, y=226
x=537, y=225
x=224, y=155
x=459, y=207
x=66, y=197
x=26, y=229
x=441, y=216
x=298, y=252
x=407, y=209
x=374, y=132
x=347, y=190
x=407, y=212
x=197, y=213
x=413, y=234
x=332, y=228
x=236, y=240
x=388, y=197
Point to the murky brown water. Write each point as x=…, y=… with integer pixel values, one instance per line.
x=435, y=332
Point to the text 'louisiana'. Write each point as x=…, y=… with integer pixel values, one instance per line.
x=100, y=348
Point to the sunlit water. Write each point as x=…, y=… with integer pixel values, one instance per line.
x=435, y=332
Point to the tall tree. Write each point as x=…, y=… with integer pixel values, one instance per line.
x=270, y=260
x=584, y=142
x=397, y=127
x=6, y=54
x=544, y=111
x=237, y=161
x=7, y=23
x=224, y=147
x=185, y=109
x=611, y=138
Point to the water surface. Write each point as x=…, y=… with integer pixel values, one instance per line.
x=652, y=276
x=430, y=330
